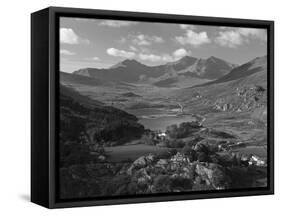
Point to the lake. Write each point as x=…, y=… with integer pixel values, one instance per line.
x=160, y=118
x=132, y=152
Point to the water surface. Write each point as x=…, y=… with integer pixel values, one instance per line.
x=160, y=119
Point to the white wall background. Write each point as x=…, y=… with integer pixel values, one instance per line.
x=15, y=106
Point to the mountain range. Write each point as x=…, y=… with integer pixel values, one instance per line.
x=131, y=70
x=184, y=73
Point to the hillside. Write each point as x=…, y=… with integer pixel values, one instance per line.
x=80, y=114
x=66, y=78
x=241, y=92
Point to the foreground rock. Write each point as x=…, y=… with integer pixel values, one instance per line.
x=175, y=174
x=141, y=162
x=212, y=175
x=153, y=174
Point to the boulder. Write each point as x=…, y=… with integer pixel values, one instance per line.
x=142, y=176
x=141, y=162
x=212, y=174
x=180, y=158
x=162, y=183
x=162, y=163
x=201, y=147
x=102, y=158
x=203, y=157
x=257, y=161
x=185, y=172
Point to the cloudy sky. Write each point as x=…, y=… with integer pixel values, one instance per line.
x=102, y=43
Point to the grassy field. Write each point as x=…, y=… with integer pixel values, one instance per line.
x=256, y=150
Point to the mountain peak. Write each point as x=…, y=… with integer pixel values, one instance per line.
x=131, y=70
x=127, y=63
x=212, y=57
x=186, y=58
x=259, y=61
x=256, y=65
x=130, y=61
x=216, y=60
x=260, y=58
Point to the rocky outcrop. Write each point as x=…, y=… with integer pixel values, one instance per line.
x=243, y=99
x=197, y=169
x=177, y=173
x=223, y=107
x=141, y=162
x=212, y=175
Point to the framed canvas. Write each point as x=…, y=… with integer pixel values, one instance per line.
x=139, y=107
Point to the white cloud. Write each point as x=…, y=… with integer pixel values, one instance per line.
x=193, y=38
x=234, y=37
x=144, y=49
x=186, y=26
x=66, y=52
x=96, y=58
x=177, y=54
x=68, y=36
x=255, y=33
x=120, y=53
x=150, y=57
x=145, y=40
x=122, y=40
x=156, y=39
x=229, y=39
x=117, y=23
x=133, y=48
x=140, y=40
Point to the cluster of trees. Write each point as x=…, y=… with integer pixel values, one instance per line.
x=174, y=135
x=118, y=131
x=183, y=130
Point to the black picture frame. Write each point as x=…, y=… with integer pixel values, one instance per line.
x=45, y=103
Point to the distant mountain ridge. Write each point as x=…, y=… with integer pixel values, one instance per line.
x=131, y=70
x=256, y=66
x=77, y=79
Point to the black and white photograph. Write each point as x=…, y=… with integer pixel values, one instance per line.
x=140, y=108
x=153, y=108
